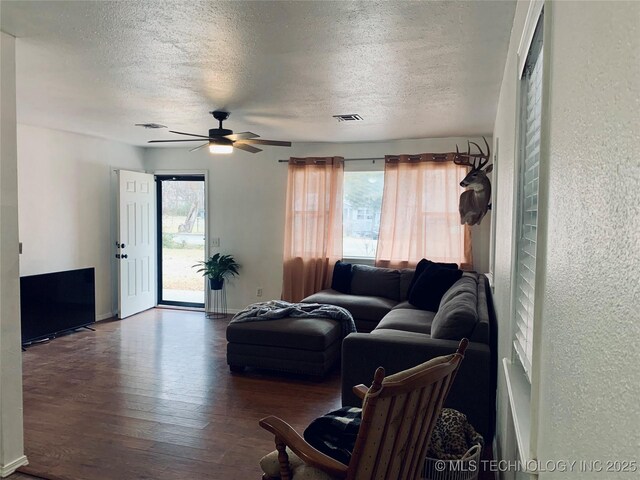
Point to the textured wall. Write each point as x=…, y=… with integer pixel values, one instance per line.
x=247, y=197
x=11, y=435
x=67, y=198
x=587, y=359
x=590, y=365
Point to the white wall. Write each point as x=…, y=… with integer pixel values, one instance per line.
x=247, y=198
x=67, y=209
x=590, y=360
x=504, y=133
x=587, y=357
x=11, y=434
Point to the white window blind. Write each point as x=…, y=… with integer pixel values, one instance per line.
x=527, y=227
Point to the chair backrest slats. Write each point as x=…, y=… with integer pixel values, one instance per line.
x=371, y=445
x=416, y=460
x=399, y=415
x=402, y=440
x=405, y=461
x=385, y=449
x=424, y=441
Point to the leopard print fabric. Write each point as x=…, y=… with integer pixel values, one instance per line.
x=452, y=436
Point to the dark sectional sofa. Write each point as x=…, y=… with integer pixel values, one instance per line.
x=396, y=335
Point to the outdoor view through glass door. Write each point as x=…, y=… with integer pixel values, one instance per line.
x=181, y=239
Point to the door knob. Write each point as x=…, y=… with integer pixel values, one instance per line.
x=124, y=255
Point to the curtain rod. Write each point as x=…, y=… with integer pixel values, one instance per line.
x=435, y=157
x=346, y=159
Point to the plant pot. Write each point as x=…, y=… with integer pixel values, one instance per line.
x=216, y=284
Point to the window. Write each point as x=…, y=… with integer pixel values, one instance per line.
x=361, y=212
x=527, y=201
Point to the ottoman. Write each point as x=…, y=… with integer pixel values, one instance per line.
x=308, y=346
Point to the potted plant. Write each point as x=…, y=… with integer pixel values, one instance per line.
x=217, y=268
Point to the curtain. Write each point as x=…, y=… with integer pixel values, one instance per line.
x=313, y=225
x=419, y=215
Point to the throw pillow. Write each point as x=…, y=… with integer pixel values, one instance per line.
x=341, y=280
x=456, y=318
x=422, y=264
x=431, y=285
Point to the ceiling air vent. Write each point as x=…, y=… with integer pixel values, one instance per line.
x=150, y=125
x=348, y=117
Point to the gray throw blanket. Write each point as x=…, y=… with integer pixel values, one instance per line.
x=275, y=309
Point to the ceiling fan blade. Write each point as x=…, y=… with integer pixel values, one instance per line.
x=190, y=134
x=278, y=143
x=246, y=148
x=199, y=147
x=241, y=136
x=185, y=140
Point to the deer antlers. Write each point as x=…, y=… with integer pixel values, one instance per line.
x=469, y=159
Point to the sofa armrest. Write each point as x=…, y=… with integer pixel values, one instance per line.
x=472, y=392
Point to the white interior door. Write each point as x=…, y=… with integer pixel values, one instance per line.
x=136, y=243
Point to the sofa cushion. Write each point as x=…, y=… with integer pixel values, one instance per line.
x=386, y=333
x=341, y=280
x=365, y=307
x=405, y=304
x=406, y=277
x=421, y=266
x=407, y=320
x=376, y=282
x=365, y=326
x=468, y=283
x=458, y=312
x=432, y=284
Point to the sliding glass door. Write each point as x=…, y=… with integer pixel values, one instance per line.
x=181, y=239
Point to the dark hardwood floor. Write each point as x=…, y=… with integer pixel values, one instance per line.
x=151, y=397
x=22, y=476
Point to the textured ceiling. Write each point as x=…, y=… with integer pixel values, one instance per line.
x=410, y=69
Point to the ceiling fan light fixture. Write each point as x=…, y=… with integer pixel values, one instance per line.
x=218, y=149
x=220, y=146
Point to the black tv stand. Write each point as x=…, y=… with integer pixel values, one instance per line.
x=36, y=342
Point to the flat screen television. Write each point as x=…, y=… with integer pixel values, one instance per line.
x=53, y=303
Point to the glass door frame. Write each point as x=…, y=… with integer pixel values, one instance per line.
x=200, y=176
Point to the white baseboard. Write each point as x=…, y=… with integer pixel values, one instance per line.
x=8, y=469
x=104, y=316
x=230, y=311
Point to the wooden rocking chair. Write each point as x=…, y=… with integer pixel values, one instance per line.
x=398, y=416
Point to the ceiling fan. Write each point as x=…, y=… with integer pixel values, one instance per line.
x=223, y=140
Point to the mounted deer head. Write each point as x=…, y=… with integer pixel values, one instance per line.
x=474, y=202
